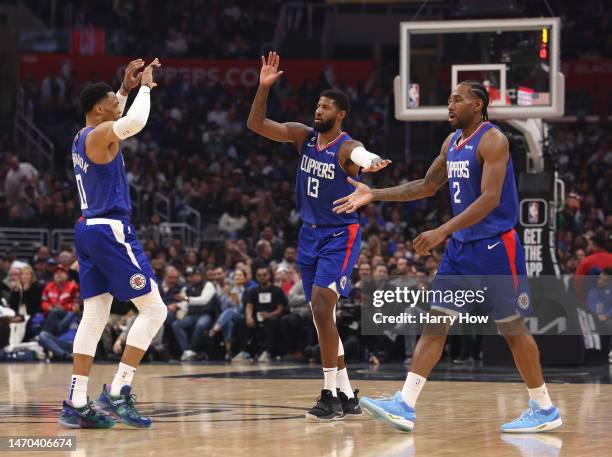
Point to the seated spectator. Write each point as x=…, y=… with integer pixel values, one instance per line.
x=600, y=300
x=231, y=311
x=170, y=291
x=297, y=325
x=264, y=305
x=25, y=298
x=598, y=259
x=59, y=342
x=197, y=310
x=58, y=298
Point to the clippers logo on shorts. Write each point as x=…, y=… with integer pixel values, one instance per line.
x=343, y=282
x=523, y=300
x=138, y=281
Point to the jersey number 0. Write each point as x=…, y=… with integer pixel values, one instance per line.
x=81, y=189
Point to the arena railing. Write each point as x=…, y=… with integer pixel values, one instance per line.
x=37, y=147
x=22, y=242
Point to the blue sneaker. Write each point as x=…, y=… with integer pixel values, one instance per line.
x=392, y=410
x=534, y=419
x=122, y=407
x=84, y=417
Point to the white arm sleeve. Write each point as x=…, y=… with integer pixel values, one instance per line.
x=363, y=157
x=136, y=117
x=122, y=100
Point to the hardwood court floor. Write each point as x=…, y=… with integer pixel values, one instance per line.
x=219, y=410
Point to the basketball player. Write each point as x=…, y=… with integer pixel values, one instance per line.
x=475, y=161
x=111, y=261
x=328, y=244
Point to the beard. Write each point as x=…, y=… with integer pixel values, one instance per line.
x=324, y=126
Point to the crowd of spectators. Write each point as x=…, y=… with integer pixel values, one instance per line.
x=241, y=295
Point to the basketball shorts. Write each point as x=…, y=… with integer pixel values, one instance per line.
x=494, y=267
x=327, y=255
x=111, y=259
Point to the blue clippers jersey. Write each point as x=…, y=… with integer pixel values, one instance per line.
x=103, y=189
x=464, y=176
x=320, y=181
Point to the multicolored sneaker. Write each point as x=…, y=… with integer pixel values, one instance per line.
x=122, y=407
x=84, y=417
x=350, y=406
x=392, y=410
x=534, y=420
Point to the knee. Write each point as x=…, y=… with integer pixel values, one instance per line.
x=44, y=335
x=175, y=325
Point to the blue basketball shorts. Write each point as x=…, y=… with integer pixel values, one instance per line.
x=493, y=266
x=111, y=259
x=327, y=255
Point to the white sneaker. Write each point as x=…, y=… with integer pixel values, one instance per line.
x=242, y=356
x=188, y=355
x=264, y=357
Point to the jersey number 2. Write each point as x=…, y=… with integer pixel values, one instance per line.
x=81, y=189
x=457, y=189
x=312, y=189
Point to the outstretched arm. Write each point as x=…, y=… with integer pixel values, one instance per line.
x=494, y=152
x=435, y=178
x=287, y=132
x=102, y=144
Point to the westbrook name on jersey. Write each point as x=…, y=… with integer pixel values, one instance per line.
x=110, y=257
x=103, y=188
x=329, y=243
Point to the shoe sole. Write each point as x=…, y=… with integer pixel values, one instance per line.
x=313, y=418
x=67, y=424
x=546, y=427
x=78, y=426
x=380, y=414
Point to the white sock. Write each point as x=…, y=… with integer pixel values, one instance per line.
x=78, y=390
x=124, y=377
x=540, y=395
x=412, y=388
x=343, y=383
x=329, y=382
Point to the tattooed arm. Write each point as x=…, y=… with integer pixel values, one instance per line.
x=435, y=178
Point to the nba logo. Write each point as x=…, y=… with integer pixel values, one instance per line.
x=414, y=91
x=533, y=213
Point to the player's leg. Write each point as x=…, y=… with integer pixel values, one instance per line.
x=323, y=304
x=337, y=254
x=130, y=277
x=77, y=411
x=398, y=410
x=510, y=293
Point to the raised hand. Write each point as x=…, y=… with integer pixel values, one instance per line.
x=131, y=77
x=147, y=74
x=362, y=196
x=269, y=69
x=377, y=165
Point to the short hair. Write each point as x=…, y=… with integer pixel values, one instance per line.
x=340, y=99
x=92, y=94
x=479, y=91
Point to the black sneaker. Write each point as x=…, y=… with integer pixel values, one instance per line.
x=328, y=408
x=350, y=406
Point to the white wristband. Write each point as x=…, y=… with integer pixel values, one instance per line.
x=363, y=157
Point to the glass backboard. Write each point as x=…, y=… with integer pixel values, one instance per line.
x=516, y=59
